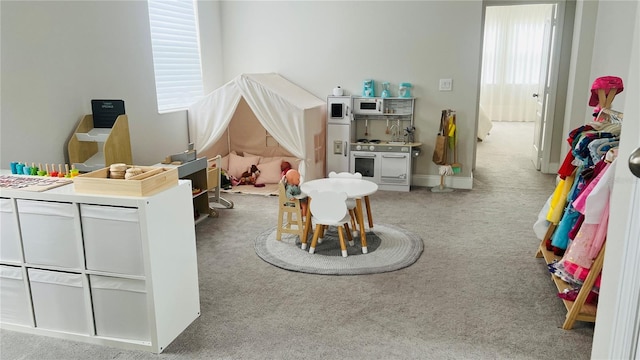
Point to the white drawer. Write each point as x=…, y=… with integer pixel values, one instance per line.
x=49, y=233
x=112, y=239
x=120, y=308
x=59, y=301
x=14, y=305
x=10, y=249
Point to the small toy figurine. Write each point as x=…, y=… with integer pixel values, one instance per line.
x=250, y=176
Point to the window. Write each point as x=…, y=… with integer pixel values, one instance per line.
x=176, y=53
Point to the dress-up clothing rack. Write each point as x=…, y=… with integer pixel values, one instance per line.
x=581, y=265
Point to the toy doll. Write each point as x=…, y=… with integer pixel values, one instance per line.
x=292, y=189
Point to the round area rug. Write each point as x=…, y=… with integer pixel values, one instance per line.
x=390, y=248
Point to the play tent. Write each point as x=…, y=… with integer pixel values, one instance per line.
x=262, y=114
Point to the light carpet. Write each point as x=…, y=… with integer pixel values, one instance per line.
x=389, y=247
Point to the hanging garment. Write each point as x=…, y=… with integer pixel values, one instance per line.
x=599, y=147
x=580, y=202
x=559, y=200
x=576, y=227
x=579, y=274
x=581, y=149
x=567, y=167
x=593, y=232
x=541, y=225
x=560, y=238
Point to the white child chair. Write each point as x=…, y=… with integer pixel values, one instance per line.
x=329, y=208
x=351, y=203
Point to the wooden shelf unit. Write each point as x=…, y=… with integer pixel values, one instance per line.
x=577, y=310
x=95, y=148
x=196, y=172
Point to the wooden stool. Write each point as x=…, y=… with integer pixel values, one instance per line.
x=289, y=216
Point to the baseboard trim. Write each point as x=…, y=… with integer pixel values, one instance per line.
x=454, y=182
x=552, y=169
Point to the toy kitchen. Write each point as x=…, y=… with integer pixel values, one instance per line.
x=373, y=135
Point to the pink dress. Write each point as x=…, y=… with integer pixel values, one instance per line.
x=594, y=204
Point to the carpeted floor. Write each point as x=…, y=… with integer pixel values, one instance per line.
x=477, y=292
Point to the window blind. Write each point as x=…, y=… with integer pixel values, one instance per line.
x=176, y=53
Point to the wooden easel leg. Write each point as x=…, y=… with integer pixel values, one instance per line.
x=547, y=236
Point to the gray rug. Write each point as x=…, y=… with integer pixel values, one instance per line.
x=390, y=248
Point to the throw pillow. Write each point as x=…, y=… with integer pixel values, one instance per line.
x=239, y=164
x=269, y=172
x=246, y=154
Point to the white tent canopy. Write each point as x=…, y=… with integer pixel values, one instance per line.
x=294, y=117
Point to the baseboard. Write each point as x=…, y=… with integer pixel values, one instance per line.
x=454, y=182
x=552, y=168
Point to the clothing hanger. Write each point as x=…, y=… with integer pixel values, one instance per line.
x=604, y=102
x=610, y=116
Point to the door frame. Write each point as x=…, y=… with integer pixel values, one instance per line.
x=617, y=329
x=547, y=165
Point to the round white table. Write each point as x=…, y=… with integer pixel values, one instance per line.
x=354, y=188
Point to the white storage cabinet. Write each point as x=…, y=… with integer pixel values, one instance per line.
x=110, y=270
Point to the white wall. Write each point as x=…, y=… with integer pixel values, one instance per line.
x=602, y=45
x=580, y=68
x=617, y=52
x=319, y=45
x=57, y=56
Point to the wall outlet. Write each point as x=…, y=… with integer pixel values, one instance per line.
x=446, y=85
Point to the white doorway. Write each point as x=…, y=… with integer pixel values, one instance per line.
x=519, y=73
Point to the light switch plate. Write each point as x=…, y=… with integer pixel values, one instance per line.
x=446, y=85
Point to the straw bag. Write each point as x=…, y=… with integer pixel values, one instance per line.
x=440, y=149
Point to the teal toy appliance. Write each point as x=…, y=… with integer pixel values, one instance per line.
x=368, y=89
x=404, y=90
x=385, y=90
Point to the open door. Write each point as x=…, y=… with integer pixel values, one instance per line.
x=541, y=126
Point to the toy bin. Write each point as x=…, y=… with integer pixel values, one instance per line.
x=14, y=304
x=112, y=239
x=49, y=234
x=9, y=233
x=59, y=301
x=120, y=308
